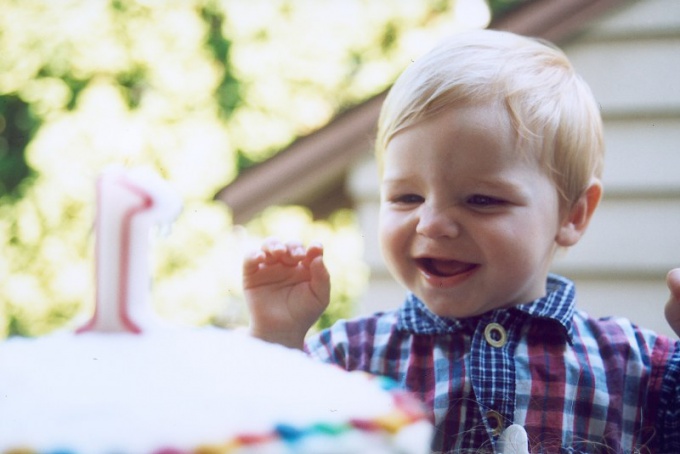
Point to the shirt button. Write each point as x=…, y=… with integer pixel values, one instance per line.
x=495, y=422
x=495, y=335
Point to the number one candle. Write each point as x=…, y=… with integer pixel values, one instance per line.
x=129, y=204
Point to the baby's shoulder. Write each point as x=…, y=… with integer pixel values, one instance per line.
x=618, y=335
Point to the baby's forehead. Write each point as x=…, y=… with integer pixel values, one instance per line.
x=491, y=117
x=486, y=130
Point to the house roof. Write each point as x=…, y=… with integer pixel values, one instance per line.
x=312, y=170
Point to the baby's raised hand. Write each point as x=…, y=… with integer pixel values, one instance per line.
x=673, y=305
x=287, y=288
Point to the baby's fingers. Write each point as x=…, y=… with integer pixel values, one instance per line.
x=295, y=253
x=273, y=250
x=289, y=253
x=314, y=250
x=252, y=262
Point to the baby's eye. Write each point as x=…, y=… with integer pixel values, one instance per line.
x=407, y=199
x=479, y=200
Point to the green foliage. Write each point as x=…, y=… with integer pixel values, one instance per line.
x=302, y=62
x=500, y=7
x=86, y=84
x=227, y=92
x=17, y=126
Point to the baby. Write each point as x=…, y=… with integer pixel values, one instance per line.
x=490, y=153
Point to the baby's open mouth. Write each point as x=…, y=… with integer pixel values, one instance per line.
x=443, y=268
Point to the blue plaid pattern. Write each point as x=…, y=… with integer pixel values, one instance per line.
x=577, y=384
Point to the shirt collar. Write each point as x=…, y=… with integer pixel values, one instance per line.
x=557, y=305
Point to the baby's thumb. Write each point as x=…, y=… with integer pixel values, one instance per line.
x=320, y=279
x=672, y=309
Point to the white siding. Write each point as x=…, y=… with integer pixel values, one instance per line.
x=631, y=59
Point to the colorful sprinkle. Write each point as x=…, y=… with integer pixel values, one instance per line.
x=394, y=422
x=254, y=439
x=289, y=433
x=330, y=429
x=214, y=449
x=365, y=425
x=169, y=451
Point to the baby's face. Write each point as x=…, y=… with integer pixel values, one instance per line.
x=467, y=222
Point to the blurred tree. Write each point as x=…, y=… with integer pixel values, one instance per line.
x=500, y=7
x=195, y=89
x=85, y=84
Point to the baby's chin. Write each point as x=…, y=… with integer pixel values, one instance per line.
x=446, y=308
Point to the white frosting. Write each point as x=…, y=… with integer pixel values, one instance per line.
x=180, y=389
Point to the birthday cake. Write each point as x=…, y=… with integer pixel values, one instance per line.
x=204, y=391
x=126, y=384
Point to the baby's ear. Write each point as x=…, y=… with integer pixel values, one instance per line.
x=578, y=217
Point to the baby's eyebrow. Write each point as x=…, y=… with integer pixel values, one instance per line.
x=396, y=179
x=498, y=183
x=500, y=187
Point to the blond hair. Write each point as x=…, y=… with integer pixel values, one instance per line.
x=550, y=106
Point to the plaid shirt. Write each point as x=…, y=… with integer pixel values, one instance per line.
x=576, y=384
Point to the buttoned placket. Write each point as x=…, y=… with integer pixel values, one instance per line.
x=492, y=369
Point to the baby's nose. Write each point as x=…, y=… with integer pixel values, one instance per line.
x=434, y=222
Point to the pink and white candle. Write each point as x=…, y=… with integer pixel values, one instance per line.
x=129, y=204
